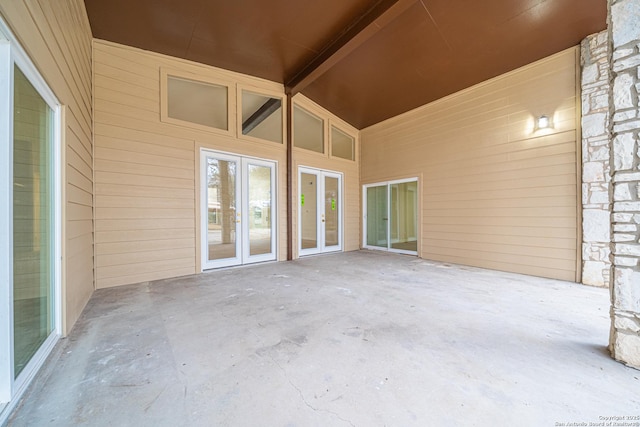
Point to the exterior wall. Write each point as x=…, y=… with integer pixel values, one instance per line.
x=495, y=192
x=596, y=170
x=147, y=171
x=57, y=37
x=625, y=132
x=350, y=176
x=147, y=215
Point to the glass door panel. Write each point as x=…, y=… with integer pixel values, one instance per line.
x=33, y=226
x=309, y=210
x=404, y=219
x=377, y=216
x=259, y=222
x=331, y=212
x=222, y=215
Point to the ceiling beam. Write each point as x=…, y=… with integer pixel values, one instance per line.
x=362, y=29
x=261, y=114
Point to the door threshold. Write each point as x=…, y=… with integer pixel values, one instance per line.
x=234, y=267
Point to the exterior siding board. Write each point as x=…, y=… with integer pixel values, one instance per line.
x=496, y=193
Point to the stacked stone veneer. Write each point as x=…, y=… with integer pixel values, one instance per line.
x=624, y=32
x=596, y=152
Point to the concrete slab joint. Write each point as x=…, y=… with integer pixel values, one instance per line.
x=624, y=130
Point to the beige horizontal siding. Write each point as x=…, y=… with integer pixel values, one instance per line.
x=494, y=193
x=57, y=38
x=147, y=220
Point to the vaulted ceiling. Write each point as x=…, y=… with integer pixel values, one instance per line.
x=364, y=60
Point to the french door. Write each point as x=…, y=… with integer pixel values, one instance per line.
x=391, y=216
x=319, y=211
x=238, y=210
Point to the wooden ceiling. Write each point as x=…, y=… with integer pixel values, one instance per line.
x=364, y=60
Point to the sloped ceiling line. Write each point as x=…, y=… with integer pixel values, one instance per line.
x=358, y=32
x=379, y=58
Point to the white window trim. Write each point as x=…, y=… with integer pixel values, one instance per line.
x=6, y=171
x=12, y=53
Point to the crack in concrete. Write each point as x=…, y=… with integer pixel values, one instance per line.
x=295, y=387
x=154, y=400
x=304, y=400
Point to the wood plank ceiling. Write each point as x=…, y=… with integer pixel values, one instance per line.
x=364, y=60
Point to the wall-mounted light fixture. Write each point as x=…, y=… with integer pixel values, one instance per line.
x=543, y=122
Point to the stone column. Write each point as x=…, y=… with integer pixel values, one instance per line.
x=596, y=171
x=624, y=31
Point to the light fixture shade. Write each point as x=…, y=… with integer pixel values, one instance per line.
x=544, y=122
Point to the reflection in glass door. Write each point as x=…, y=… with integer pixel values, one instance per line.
x=259, y=226
x=391, y=216
x=223, y=217
x=319, y=211
x=238, y=212
x=309, y=211
x=331, y=212
x=377, y=216
x=33, y=225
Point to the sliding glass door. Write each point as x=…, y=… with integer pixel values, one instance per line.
x=238, y=201
x=33, y=293
x=30, y=237
x=391, y=216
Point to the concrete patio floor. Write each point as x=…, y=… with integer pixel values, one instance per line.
x=353, y=339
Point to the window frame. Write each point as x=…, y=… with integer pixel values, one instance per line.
x=311, y=110
x=365, y=213
x=340, y=128
x=165, y=73
x=261, y=92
